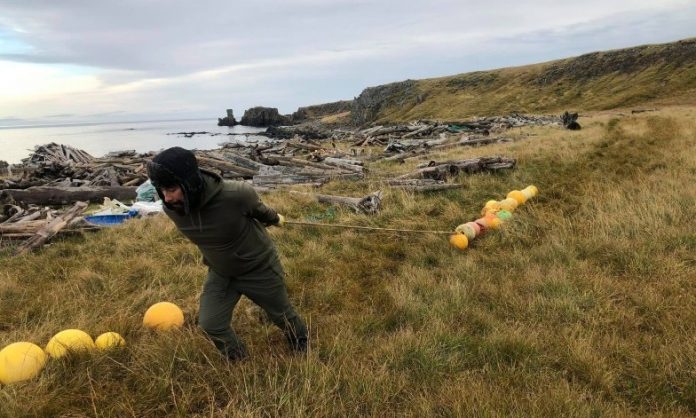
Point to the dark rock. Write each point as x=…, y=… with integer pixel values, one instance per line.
x=306, y=113
x=264, y=116
x=304, y=132
x=228, y=120
x=570, y=121
x=372, y=100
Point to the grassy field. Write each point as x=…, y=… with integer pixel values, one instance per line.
x=645, y=76
x=582, y=305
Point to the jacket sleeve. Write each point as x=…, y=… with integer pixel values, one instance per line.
x=256, y=209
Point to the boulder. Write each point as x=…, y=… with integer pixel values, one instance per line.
x=228, y=120
x=570, y=121
x=264, y=116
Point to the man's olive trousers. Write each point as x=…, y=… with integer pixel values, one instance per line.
x=266, y=288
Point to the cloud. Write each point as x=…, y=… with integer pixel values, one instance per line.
x=165, y=56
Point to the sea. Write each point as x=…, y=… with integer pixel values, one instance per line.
x=99, y=139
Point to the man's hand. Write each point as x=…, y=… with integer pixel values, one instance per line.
x=281, y=220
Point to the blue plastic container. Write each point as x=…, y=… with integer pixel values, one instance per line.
x=110, y=220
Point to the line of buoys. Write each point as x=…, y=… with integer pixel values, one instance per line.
x=493, y=215
x=22, y=361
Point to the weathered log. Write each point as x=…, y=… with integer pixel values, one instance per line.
x=296, y=162
x=12, y=213
x=443, y=170
x=43, y=195
x=308, y=147
x=25, y=227
x=286, y=180
x=51, y=229
x=226, y=166
x=343, y=160
x=368, y=205
x=30, y=217
x=62, y=232
x=422, y=185
x=237, y=160
x=345, y=164
x=408, y=154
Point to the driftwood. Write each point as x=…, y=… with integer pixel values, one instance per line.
x=53, y=227
x=58, y=153
x=306, y=178
x=443, y=170
x=351, y=165
x=286, y=180
x=368, y=205
x=44, y=195
x=225, y=166
x=305, y=146
x=422, y=185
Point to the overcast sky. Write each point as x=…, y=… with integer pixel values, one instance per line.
x=78, y=60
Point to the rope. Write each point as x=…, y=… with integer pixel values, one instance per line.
x=368, y=228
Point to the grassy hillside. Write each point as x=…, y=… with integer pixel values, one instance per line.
x=645, y=75
x=583, y=305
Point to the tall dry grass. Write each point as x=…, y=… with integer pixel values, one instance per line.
x=581, y=306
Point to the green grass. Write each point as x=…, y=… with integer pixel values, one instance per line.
x=581, y=306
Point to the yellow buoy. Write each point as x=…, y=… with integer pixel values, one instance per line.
x=109, y=340
x=530, y=191
x=491, y=206
x=69, y=340
x=21, y=361
x=509, y=204
x=518, y=196
x=163, y=316
x=459, y=241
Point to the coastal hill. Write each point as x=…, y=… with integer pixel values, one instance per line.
x=642, y=75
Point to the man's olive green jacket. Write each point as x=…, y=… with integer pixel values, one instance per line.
x=229, y=227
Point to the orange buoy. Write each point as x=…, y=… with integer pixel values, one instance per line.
x=518, y=196
x=163, y=316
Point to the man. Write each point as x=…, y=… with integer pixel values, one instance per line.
x=226, y=220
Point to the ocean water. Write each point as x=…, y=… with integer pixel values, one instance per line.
x=97, y=139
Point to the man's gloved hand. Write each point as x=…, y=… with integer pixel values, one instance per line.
x=281, y=220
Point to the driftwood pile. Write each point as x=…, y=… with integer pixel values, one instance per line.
x=400, y=150
x=61, y=165
x=383, y=134
x=35, y=225
x=443, y=170
x=57, y=174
